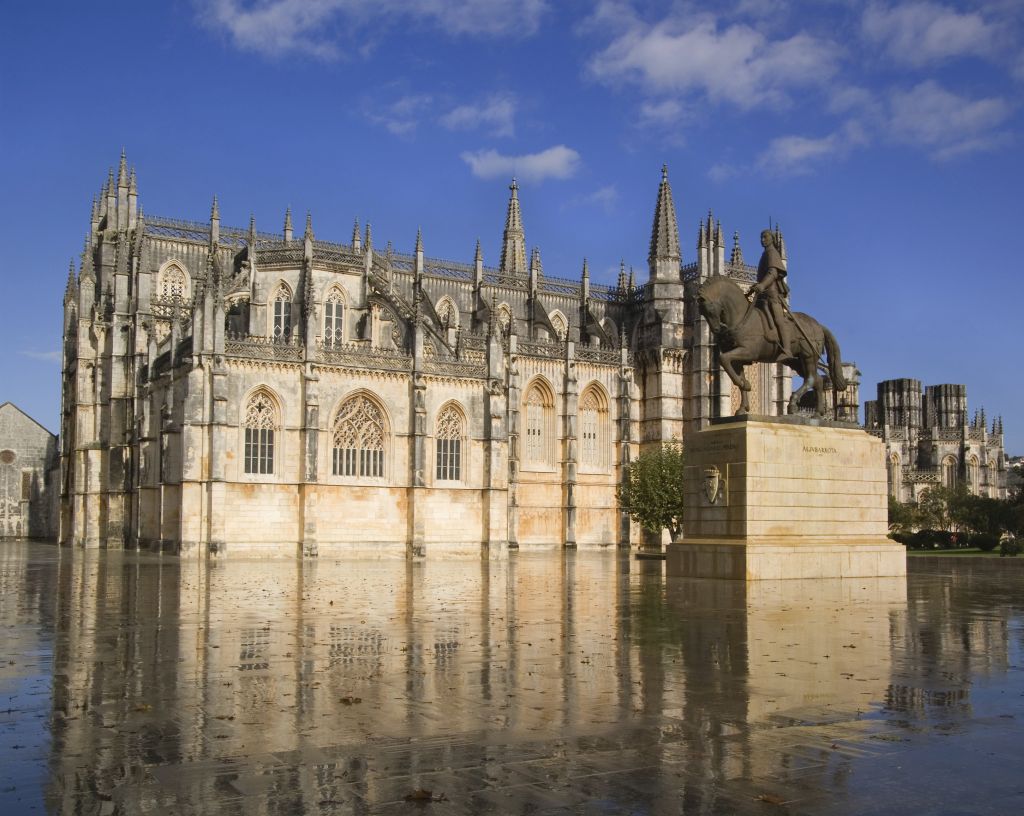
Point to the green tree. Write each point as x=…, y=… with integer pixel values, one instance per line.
x=653, y=491
x=902, y=517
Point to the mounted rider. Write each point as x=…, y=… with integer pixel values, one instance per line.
x=771, y=291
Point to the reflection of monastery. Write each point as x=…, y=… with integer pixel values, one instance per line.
x=930, y=440
x=228, y=388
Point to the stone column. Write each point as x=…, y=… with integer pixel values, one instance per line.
x=569, y=475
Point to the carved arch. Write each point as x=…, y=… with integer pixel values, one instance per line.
x=448, y=312
x=173, y=282
x=539, y=425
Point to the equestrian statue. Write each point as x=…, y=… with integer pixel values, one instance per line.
x=758, y=327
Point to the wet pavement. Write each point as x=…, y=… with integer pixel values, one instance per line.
x=546, y=683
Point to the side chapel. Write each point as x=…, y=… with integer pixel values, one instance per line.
x=231, y=390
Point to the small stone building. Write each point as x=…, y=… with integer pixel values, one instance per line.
x=28, y=457
x=931, y=440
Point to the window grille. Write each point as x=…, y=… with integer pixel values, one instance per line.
x=593, y=424
x=537, y=427
x=334, y=311
x=173, y=283
x=282, y=314
x=260, y=421
x=449, y=445
x=359, y=438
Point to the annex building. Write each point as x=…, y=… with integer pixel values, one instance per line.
x=232, y=390
x=931, y=440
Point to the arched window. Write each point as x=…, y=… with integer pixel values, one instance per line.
x=559, y=322
x=448, y=312
x=450, y=430
x=949, y=471
x=593, y=428
x=334, y=316
x=895, y=475
x=282, y=313
x=260, y=425
x=974, y=475
x=173, y=283
x=359, y=439
x=539, y=410
x=504, y=318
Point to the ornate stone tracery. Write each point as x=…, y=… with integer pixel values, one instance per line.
x=359, y=439
x=449, y=433
x=593, y=427
x=260, y=425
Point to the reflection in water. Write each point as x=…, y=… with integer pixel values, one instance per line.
x=542, y=683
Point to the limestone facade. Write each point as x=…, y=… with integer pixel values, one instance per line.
x=28, y=459
x=230, y=390
x=930, y=440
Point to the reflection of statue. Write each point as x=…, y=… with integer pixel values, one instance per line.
x=771, y=290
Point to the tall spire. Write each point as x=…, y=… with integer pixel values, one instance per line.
x=622, y=275
x=214, y=210
x=357, y=241
x=665, y=230
x=419, y=240
x=737, y=254
x=288, y=231
x=122, y=170
x=513, y=247
x=214, y=223
x=308, y=234
x=478, y=256
x=69, y=289
x=368, y=241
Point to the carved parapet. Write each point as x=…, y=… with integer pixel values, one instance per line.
x=263, y=348
x=360, y=355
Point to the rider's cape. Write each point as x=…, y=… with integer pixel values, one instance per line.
x=771, y=258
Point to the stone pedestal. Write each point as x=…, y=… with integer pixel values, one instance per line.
x=785, y=497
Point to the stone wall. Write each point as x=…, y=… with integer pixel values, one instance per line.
x=28, y=455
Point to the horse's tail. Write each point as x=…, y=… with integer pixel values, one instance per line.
x=835, y=362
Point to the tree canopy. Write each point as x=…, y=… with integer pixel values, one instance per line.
x=653, y=491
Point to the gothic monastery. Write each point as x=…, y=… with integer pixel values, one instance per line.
x=229, y=390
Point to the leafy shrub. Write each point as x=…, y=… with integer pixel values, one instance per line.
x=1009, y=547
x=986, y=542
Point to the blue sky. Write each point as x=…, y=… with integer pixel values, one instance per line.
x=884, y=136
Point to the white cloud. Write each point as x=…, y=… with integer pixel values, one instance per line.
x=666, y=112
x=796, y=155
x=48, y=356
x=921, y=33
x=401, y=117
x=946, y=124
x=496, y=113
x=277, y=27
x=603, y=197
x=737, y=63
x=559, y=162
x=723, y=171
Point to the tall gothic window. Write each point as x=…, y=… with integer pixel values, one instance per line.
x=949, y=471
x=895, y=476
x=593, y=428
x=974, y=475
x=282, y=313
x=449, y=444
x=539, y=406
x=260, y=423
x=173, y=283
x=359, y=439
x=334, y=313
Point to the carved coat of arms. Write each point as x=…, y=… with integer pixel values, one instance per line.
x=713, y=484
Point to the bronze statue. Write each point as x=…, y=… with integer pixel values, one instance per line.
x=771, y=292
x=768, y=332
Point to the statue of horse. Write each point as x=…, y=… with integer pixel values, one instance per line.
x=743, y=336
